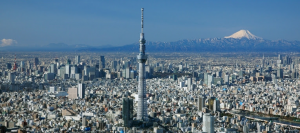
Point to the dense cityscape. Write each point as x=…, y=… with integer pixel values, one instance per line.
x=88, y=80
x=196, y=92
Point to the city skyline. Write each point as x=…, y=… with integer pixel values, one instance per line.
x=37, y=23
x=239, y=82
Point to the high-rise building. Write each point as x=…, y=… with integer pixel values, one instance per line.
x=132, y=74
x=127, y=73
x=263, y=62
x=11, y=77
x=142, y=58
x=288, y=60
x=92, y=73
x=114, y=65
x=126, y=64
x=205, y=78
x=189, y=83
x=36, y=61
x=226, y=79
x=8, y=66
x=68, y=69
x=81, y=90
x=201, y=103
x=53, y=68
x=74, y=70
x=102, y=62
x=55, y=60
x=279, y=73
x=22, y=64
x=279, y=57
x=86, y=70
x=77, y=59
x=127, y=111
x=63, y=74
x=216, y=105
x=28, y=65
x=210, y=80
x=208, y=123
x=211, y=101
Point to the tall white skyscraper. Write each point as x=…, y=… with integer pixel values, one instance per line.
x=189, y=83
x=142, y=58
x=81, y=90
x=77, y=59
x=22, y=64
x=53, y=68
x=74, y=70
x=68, y=69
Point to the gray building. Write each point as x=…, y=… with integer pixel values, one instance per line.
x=53, y=68
x=201, y=103
x=77, y=59
x=208, y=123
x=279, y=73
x=127, y=111
x=102, y=62
x=11, y=77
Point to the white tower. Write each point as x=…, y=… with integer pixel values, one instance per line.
x=142, y=58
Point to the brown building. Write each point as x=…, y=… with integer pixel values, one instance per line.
x=72, y=93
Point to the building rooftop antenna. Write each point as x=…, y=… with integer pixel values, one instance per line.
x=142, y=21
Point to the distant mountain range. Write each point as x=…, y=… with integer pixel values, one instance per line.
x=241, y=41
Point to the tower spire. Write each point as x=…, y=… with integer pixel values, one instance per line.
x=142, y=38
x=142, y=21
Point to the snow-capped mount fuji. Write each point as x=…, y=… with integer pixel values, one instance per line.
x=243, y=34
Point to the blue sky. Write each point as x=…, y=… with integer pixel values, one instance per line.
x=40, y=22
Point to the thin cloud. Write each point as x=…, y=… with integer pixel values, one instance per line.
x=7, y=42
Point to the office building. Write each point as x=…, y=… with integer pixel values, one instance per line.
x=127, y=111
x=279, y=73
x=201, y=103
x=36, y=61
x=8, y=66
x=189, y=83
x=52, y=89
x=216, y=105
x=69, y=61
x=68, y=69
x=53, y=68
x=102, y=62
x=81, y=90
x=114, y=65
x=11, y=77
x=74, y=70
x=77, y=59
x=208, y=123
